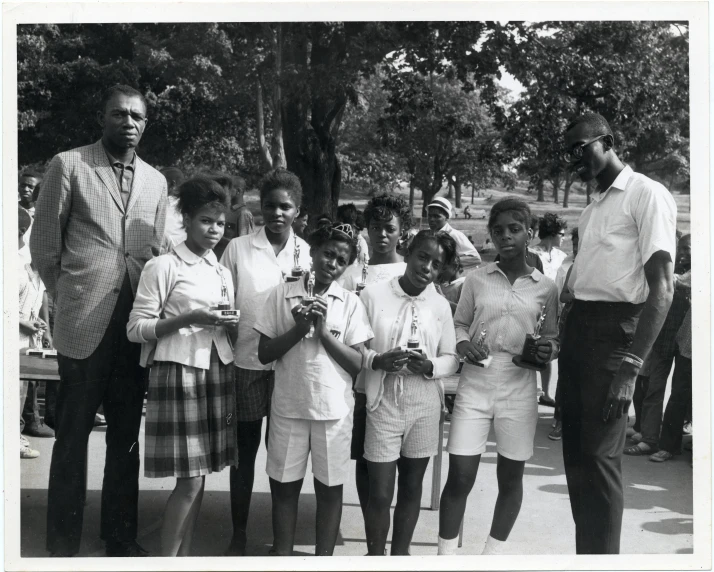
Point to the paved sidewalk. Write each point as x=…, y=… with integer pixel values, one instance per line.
x=658, y=507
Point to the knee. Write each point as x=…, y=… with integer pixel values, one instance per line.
x=510, y=483
x=459, y=484
x=189, y=488
x=380, y=497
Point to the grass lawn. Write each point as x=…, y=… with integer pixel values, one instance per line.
x=476, y=226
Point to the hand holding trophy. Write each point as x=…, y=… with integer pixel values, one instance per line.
x=480, y=342
x=529, y=355
x=308, y=300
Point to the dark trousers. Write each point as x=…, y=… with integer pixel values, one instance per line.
x=111, y=375
x=680, y=402
x=30, y=410
x=592, y=449
x=653, y=404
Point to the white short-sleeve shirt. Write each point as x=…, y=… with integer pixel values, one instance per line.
x=256, y=270
x=619, y=232
x=309, y=383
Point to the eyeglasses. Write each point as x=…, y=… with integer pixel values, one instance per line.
x=561, y=234
x=577, y=152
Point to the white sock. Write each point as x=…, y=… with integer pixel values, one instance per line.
x=448, y=546
x=493, y=546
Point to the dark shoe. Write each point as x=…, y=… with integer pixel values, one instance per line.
x=557, y=433
x=639, y=450
x=125, y=549
x=236, y=547
x=38, y=429
x=547, y=401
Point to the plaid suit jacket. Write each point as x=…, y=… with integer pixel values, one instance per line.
x=84, y=241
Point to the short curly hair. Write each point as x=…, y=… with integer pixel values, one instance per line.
x=387, y=205
x=521, y=210
x=281, y=179
x=325, y=234
x=550, y=224
x=198, y=192
x=443, y=239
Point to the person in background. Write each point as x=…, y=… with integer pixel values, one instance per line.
x=239, y=220
x=450, y=282
x=403, y=407
x=315, y=345
x=300, y=223
x=551, y=230
x=190, y=430
x=439, y=212
x=388, y=217
x=623, y=285
x=175, y=233
x=680, y=400
x=500, y=304
x=467, y=211
x=27, y=192
x=348, y=214
x=258, y=262
x=34, y=330
x=662, y=355
x=100, y=218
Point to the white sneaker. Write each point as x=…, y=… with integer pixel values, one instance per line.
x=26, y=452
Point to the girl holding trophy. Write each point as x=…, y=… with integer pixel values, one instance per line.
x=413, y=346
x=506, y=329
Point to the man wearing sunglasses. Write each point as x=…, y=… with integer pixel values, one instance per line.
x=623, y=285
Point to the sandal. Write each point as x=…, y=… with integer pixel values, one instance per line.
x=638, y=450
x=661, y=456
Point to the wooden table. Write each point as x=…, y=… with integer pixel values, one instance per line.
x=33, y=368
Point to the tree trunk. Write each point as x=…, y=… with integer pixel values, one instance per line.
x=473, y=190
x=266, y=161
x=450, y=193
x=556, y=185
x=539, y=187
x=566, y=191
x=277, y=148
x=457, y=192
x=412, y=186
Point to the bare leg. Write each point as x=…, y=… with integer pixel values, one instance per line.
x=362, y=482
x=461, y=479
x=176, y=515
x=327, y=517
x=381, y=493
x=406, y=513
x=185, y=548
x=285, y=506
x=241, y=483
x=510, y=496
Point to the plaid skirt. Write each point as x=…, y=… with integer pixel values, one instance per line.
x=254, y=392
x=190, y=420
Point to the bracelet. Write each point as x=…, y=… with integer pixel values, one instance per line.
x=634, y=357
x=636, y=362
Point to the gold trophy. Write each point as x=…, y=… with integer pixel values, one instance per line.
x=297, y=272
x=528, y=359
x=480, y=341
x=310, y=298
x=224, y=308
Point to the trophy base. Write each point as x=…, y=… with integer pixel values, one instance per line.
x=222, y=313
x=520, y=362
x=360, y=287
x=484, y=363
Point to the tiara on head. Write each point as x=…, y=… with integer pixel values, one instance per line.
x=344, y=228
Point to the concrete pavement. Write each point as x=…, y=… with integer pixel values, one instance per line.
x=657, y=520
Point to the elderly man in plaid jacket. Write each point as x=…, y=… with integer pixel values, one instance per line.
x=99, y=219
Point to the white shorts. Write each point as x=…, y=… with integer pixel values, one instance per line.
x=290, y=441
x=503, y=393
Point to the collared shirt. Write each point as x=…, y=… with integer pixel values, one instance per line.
x=375, y=274
x=124, y=172
x=508, y=311
x=470, y=257
x=551, y=260
x=31, y=293
x=619, y=232
x=171, y=285
x=390, y=311
x=309, y=383
x=255, y=270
